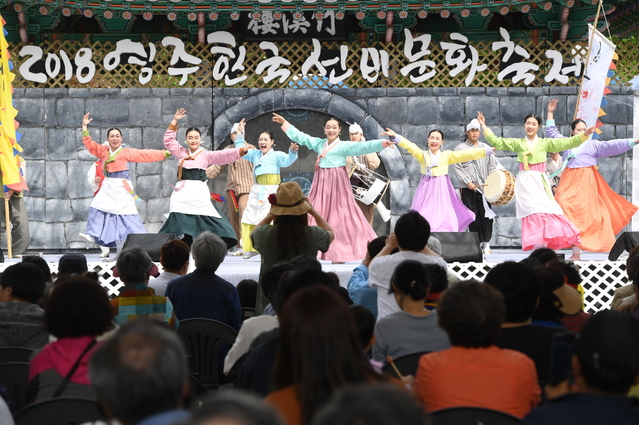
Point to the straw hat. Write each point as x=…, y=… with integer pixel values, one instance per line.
x=289, y=200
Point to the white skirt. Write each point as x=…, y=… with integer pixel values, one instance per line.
x=532, y=196
x=193, y=198
x=113, y=198
x=258, y=206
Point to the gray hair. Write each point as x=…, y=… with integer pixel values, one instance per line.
x=208, y=251
x=133, y=264
x=140, y=371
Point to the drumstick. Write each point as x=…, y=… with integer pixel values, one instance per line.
x=389, y=359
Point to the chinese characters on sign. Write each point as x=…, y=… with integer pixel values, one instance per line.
x=229, y=60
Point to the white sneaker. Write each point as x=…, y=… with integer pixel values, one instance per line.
x=87, y=238
x=250, y=254
x=104, y=255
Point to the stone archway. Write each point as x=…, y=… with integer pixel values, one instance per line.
x=330, y=103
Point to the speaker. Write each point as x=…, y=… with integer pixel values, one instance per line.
x=150, y=242
x=460, y=247
x=625, y=242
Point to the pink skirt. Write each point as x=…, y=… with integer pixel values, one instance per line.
x=332, y=197
x=552, y=230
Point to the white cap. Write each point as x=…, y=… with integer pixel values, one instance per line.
x=473, y=125
x=355, y=128
x=235, y=127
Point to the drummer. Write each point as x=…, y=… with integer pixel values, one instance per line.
x=362, y=164
x=472, y=174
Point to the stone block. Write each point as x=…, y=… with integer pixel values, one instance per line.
x=222, y=128
x=516, y=91
x=56, y=180
x=534, y=91
x=72, y=232
x=144, y=111
x=422, y=110
x=80, y=208
x=78, y=185
x=400, y=92
x=487, y=106
x=555, y=90
x=392, y=110
x=55, y=237
x=413, y=169
x=360, y=102
x=229, y=91
x=400, y=197
x=58, y=210
x=32, y=142
x=219, y=105
x=111, y=112
x=104, y=93
x=35, y=208
x=621, y=131
x=508, y=227
x=180, y=91
x=512, y=131
x=139, y=92
x=153, y=227
x=394, y=164
x=423, y=91
x=35, y=178
x=208, y=93
x=201, y=111
x=79, y=93
x=230, y=101
x=30, y=111
x=61, y=144
x=278, y=100
x=618, y=111
x=156, y=208
x=496, y=91
x=172, y=103
x=148, y=186
x=513, y=110
x=371, y=128
x=316, y=100
x=248, y=108
x=343, y=92
x=255, y=92
x=345, y=110
x=161, y=92
x=607, y=132
x=451, y=110
x=17, y=93
x=417, y=134
x=49, y=112
x=149, y=169
x=472, y=91
x=445, y=91
x=372, y=92
x=35, y=93
x=141, y=207
x=153, y=137
x=571, y=105
x=38, y=232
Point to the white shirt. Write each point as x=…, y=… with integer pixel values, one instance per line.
x=380, y=273
x=250, y=329
x=159, y=283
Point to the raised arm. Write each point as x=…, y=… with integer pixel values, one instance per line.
x=286, y=159
x=455, y=157
x=557, y=145
x=170, y=141
x=94, y=148
x=313, y=143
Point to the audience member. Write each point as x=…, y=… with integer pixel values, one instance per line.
x=365, y=323
x=556, y=299
x=136, y=299
x=202, y=293
x=255, y=374
x=303, y=261
x=519, y=287
x=247, y=292
x=414, y=329
x=573, y=279
x=439, y=282
x=78, y=311
x=254, y=326
x=235, y=408
x=625, y=294
x=475, y=372
x=174, y=257
x=411, y=235
x=343, y=292
x=546, y=256
x=290, y=235
x=319, y=353
x=372, y=405
x=22, y=285
x=72, y=263
x=140, y=375
x=46, y=272
x=605, y=365
x=358, y=289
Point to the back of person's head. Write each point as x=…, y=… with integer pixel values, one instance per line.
x=78, y=307
x=438, y=279
x=545, y=255
x=471, y=313
x=372, y=405
x=550, y=280
x=306, y=261
x=72, y=263
x=133, y=265
x=607, y=348
x=209, y=251
x=235, y=408
x=26, y=281
x=295, y=280
x=42, y=264
x=411, y=278
x=273, y=276
x=632, y=265
x=173, y=255
x=247, y=292
x=519, y=286
x=140, y=371
x=318, y=348
x=365, y=322
x=376, y=245
x=571, y=274
x=412, y=231
x=531, y=262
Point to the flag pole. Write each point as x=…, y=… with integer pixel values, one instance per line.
x=7, y=226
x=583, y=76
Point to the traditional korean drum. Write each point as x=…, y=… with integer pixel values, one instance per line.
x=499, y=187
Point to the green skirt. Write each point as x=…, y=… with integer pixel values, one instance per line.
x=193, y=225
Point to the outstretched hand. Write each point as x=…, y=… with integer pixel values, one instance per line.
x=388, y=144
x=86, y=120
x=390, y=133
x=295, y=147
x=240, y=126
x=589, y=131
x=179, y=114
x=552, y=105
x=481, y=118
x=279, y=119
x=244, y=150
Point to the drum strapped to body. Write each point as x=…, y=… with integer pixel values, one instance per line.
x=499, y=187
x=369, y=188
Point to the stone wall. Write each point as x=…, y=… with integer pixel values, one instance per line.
x=57, y=162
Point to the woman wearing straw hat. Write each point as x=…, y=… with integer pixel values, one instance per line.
x=290, y=235
x=331, y=192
